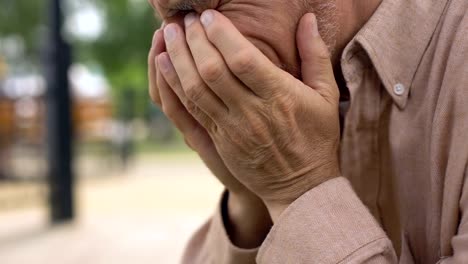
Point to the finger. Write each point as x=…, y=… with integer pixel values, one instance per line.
x=248, y=63
x=157, y=47
x=195, y=136
x=185, y=68
x=211, y=65
x=169, y=76
x=317, y=69
x=174, y=109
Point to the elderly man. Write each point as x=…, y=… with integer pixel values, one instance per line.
x=258, y=88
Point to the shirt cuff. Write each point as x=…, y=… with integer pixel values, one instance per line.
x=325, y=225
x=211, y=243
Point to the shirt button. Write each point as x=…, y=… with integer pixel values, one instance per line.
x=399, y=89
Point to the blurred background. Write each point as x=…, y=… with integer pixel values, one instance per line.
x=90, y=170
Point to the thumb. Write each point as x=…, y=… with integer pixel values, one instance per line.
x=316, y=67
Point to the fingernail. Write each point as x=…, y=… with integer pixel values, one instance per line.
x=315, y=31
x=207, y=17
x=170, y=32
x=189, y=19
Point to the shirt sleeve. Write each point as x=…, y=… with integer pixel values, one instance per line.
x=454, y=119
x=328, y=224
x=211, y=244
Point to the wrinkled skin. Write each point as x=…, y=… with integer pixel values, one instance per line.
x=277, y=135
x=267, y=148
x=270, y=25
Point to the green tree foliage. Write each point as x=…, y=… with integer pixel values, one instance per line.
x=19, y=16
x=121, y=51
x=23, y=18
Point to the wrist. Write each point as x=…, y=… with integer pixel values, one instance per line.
x=310, y=181
x=247, y=219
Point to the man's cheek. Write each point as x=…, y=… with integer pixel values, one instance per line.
x=251, y=30
x=278, y=44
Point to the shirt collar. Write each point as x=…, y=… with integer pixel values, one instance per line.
x=395, y=39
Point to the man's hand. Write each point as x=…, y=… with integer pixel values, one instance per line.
x=248, y=221
x=194, y=134
x=279, y=136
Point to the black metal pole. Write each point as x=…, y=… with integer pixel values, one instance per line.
x=59, y=121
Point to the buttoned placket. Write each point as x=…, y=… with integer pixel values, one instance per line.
x=360, y=156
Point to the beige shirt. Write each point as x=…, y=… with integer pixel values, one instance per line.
x=404, y=153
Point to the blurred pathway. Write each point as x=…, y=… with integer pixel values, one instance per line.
x=142, y=216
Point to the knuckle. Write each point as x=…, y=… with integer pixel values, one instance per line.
x=192, y=108
x=323, y=55
x=194, y=92
x=211, y=71
x=256, y=127
x=243, y=62
x=283, y=103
